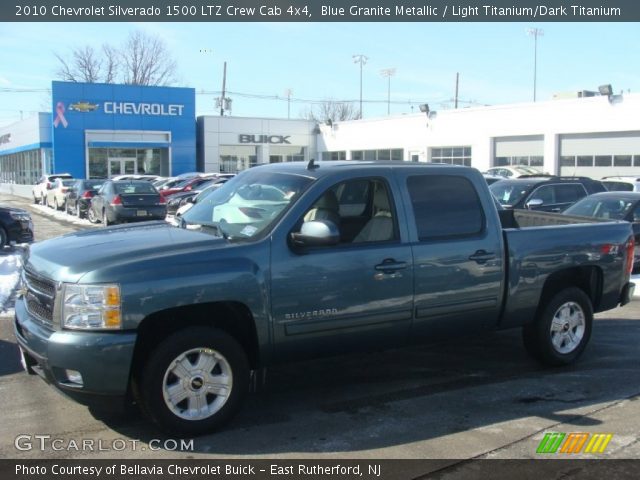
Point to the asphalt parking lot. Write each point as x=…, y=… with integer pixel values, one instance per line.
x=480, y=397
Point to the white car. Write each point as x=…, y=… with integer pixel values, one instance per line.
x=514, y=171
x=622, y=183
x=40, y=189
x=252, y=204
x=56, y=196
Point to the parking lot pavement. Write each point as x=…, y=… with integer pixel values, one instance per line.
x=480, y=397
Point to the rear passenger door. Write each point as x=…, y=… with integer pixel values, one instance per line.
x=458, y=263
x=557, y=197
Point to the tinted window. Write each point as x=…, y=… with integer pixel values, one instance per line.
x=569, y=193
x=618, y=186
x=444, y=206
x=141, y=187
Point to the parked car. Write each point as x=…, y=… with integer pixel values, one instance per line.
x=613, y=206
x=80, y=194
x=56, y=195
x=622, y=184
x=514, y=171
x=184, y=186
x=126, y=201
x=491, y=178
x=39, y=190
x=15, y=226
x=178, y=200
x=546, y=193
x=162, y=181
x=177, y=317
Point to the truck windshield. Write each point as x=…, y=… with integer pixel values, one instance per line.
x=509, y=193
x=246, y=205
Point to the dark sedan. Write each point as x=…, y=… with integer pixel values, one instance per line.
x=126, y=201
x=177, y=200
x=15, y=226
x=79, y=196
x=613, y=206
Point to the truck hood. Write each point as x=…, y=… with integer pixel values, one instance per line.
x=68, y=258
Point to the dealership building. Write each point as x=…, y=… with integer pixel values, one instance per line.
x=99, y=130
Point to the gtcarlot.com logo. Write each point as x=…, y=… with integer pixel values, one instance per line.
x=574, y=442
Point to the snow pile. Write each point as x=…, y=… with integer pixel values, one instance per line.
x=10, y=266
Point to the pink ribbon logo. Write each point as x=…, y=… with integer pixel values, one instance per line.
x=60, y=116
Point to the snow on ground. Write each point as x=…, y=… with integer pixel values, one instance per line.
x=61, y=215
x=636, y=279
x=10, y=265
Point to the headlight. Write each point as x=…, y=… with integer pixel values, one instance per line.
x=22, y=217
x=91, y=307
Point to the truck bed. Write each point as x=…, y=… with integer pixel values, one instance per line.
x=530, y=218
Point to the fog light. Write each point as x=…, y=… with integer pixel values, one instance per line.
x=73, y=376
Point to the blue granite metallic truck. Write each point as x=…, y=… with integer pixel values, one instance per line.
x=295, y=260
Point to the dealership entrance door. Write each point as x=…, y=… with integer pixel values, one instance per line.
x=122, y=166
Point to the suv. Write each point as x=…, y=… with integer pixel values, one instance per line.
x=546, y=193
x=622, y=184
x=39, y=191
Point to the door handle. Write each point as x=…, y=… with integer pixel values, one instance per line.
x=390, y=265
x=482, y=256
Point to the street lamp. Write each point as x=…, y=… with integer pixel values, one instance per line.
x=535, y=33
x=388, y=73
x=362, y=60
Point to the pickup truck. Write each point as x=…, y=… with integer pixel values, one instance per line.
x=296, y=260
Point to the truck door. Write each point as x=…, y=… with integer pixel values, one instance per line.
x=356, y=294
x=457, y=250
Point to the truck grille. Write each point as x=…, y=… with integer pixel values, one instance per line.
x=39, y=297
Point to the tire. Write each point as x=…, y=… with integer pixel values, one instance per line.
x=35, y=200
x=206, y=358
x=562, y=329
x=105, y=218
x=44, y=201
x=91, y=215
x=3, y=238
x=66, y=208
x=55, y=204
x=78, y=211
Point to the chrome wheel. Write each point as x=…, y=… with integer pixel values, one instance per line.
x=567, y=327
x=197, y=384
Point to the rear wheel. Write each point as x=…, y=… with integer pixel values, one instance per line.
x=194, y=381
x=105, y=218
x=562, y=329
x=78, y=212
x=3, y=238
x=56, y=206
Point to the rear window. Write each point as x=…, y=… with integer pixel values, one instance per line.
x=68, y=183
x=618, y=186
x=445, y=206
x=509, y=193
x=141, y=187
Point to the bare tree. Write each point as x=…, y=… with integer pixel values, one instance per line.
x=141, y=60
x=145, y=61
x=333, y=111
x=84, y=66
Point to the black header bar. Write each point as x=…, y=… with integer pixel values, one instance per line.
x=319, y=11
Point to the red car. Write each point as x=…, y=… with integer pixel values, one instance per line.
x=186, y=185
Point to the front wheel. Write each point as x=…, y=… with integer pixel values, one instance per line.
x=91, y=215
x=194, y=381
x=562, y=328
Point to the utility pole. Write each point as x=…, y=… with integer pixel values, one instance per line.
x=456, y=97
x=388, y=73
x=224, y=88
x=287, y=93
x=535, y=33
x=362, y=60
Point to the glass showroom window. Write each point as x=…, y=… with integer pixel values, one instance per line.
x=21, y=168
x=338, y=155
x=526, y=160
x=381, y=154
x=235, y=158
x=452, y=155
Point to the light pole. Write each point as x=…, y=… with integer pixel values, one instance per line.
x=388, y=73
x=287, y=93
x=535, y=33
x=362, y=60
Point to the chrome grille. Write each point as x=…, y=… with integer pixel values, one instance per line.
x=39, y=297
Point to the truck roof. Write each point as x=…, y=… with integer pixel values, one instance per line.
x=322, y=168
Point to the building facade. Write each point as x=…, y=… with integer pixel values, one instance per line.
x=103, y=130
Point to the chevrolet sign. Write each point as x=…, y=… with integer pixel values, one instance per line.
x=130, y=108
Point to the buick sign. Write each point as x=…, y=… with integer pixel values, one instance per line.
x=275, y=139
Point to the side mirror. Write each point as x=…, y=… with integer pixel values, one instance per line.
x=191, y=200
x=534, y=202
x=317, y=233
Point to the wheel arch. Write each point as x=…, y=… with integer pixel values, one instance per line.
x=234, y=318
x=587, y=278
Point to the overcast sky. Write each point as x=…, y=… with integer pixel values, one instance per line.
x=314, y=60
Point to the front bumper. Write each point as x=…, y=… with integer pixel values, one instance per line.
x=102, y=358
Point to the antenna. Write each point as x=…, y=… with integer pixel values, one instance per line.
x=311, y=165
